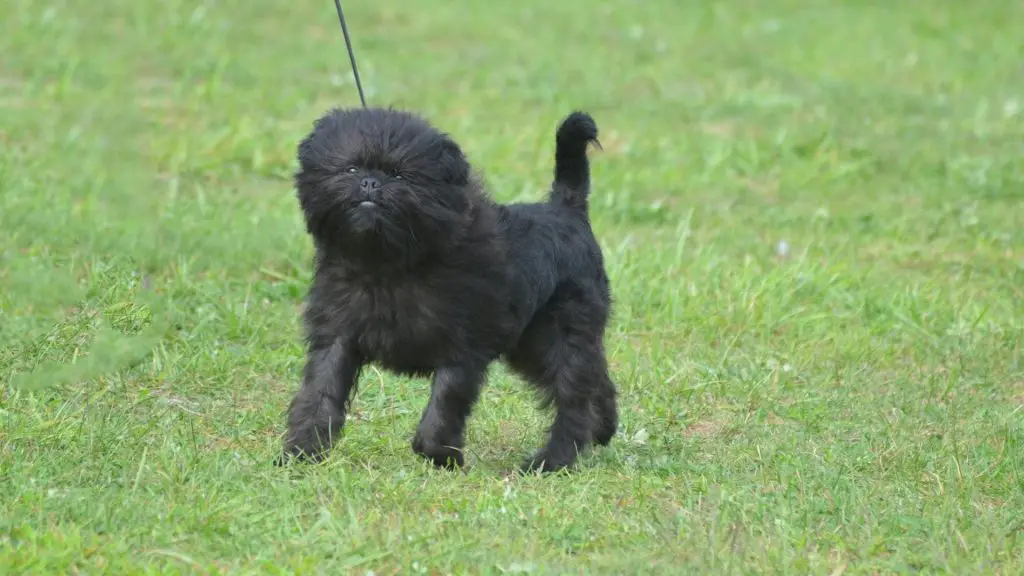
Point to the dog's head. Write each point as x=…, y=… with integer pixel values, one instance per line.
x=382, y=183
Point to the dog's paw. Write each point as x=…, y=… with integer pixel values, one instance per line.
x=310, y=451
x=297, y=456
x=283, y=460
x=546, y=462
x=442, y=455
x=603, y=437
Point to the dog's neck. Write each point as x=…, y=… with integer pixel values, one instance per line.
x=370, y=259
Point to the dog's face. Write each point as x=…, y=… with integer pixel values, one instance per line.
x=381, y=181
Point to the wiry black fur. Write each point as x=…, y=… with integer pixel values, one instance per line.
x=433, y=278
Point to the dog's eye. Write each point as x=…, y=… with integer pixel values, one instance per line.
x=399, y=177
x=351, y=170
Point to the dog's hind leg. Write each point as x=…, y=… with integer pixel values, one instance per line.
x=605, y=407
x=561, y=353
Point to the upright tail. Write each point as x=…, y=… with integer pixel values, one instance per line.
x=572, y=169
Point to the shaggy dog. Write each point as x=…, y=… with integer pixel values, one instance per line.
x=418, y=271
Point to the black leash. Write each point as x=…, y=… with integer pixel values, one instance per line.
x=351, y=55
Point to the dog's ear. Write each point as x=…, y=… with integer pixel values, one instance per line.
x=454, y=167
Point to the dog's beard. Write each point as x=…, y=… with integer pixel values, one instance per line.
x=357, y=227
x=402, y=223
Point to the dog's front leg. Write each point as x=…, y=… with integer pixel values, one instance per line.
x=440, y=434
x=317, y=413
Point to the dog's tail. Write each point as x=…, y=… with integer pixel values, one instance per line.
x=572, y=169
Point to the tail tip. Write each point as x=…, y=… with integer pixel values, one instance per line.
x=578, y=128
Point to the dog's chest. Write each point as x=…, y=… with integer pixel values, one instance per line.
x=400, y=327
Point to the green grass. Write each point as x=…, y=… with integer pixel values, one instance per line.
x=856, y=405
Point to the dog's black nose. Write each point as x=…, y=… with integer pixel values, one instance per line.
x=369, y=184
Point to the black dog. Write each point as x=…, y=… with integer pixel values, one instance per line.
x=418, y=271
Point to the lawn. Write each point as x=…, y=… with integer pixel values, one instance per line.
x=812, y=214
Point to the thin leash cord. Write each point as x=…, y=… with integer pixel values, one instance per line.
x=351, y=54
